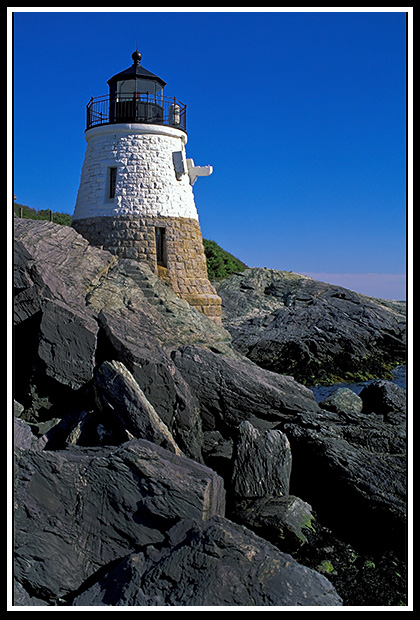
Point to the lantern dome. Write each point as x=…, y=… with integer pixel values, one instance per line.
x=136, y=79
x=136, y=95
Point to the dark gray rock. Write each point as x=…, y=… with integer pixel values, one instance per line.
x=28, y=287
x=216, y=563
x=314, y=331
x=384, y=397
x=77, y=510
x=230, y=391
x=352, y=470
x=67, y=344
x=156, y=375
x=21, y=598
x=343, y=400
x=262, y=463
x=119, y=393
x=75, y=306
x=285, y=521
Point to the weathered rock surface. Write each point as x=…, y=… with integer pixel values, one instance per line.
x=67, y=344
x=262, y=463
x=75, y=306
x=353, y=469
x=134, y=418
x=343, y=400
x=119, y=393
x=231, y=390
x=314, y=331
x=284, y=520
x=211, y=563
x=80, y=509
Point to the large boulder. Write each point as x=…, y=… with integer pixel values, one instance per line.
x=342, y=400
x=80, y=509
x=231, y=390
x=212, y=563
x=284, y=520
x=385, y=398
x=125, y=337
x=67, y=344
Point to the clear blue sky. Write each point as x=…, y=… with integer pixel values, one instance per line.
x=301, y=114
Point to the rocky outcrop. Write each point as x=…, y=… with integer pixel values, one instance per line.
x=185, y=262
x=157, y=465
x=316, y=332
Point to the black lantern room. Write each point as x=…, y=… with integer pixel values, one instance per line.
x=136, y=96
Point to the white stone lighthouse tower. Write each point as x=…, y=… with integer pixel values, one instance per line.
x=135, y=197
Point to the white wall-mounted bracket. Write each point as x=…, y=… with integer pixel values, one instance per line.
x=197, y=171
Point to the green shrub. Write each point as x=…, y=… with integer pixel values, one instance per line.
x=220, y=264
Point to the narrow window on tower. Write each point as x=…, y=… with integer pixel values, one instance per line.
x=161, y=256
x=112, y=182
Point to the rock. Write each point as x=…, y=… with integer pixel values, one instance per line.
x=384, y=397
x=262, y=463
x=230, y=391
x=352, y=470
x=24, y=439
x=343, y=400
x=55, y=263
x=67, y=344
x=105, y=352
x=285, y=521
x=156, y=375
x=313, y=331
x=75, y=306
x=216, y=563
x=22, y=599
x=55, y=333
x=117, y=391
x=80, y=509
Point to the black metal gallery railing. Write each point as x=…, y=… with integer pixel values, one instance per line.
x=136, y=108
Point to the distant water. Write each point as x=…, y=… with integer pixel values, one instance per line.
x=322, y=391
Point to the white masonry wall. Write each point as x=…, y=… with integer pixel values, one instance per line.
x=152, y=173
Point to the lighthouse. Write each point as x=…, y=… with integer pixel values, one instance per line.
x=135, y=197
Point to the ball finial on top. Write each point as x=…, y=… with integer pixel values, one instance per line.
x=136, y=56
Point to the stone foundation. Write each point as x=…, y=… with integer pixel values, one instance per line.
x=182, y=265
